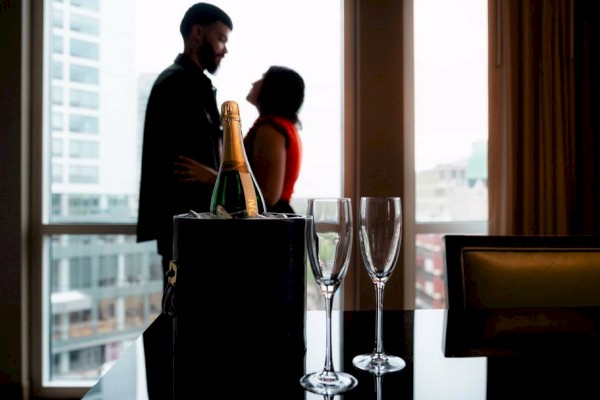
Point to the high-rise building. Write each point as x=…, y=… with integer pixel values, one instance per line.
x=104, y=289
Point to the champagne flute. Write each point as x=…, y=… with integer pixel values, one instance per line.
x=329, y=242
x=380, y=237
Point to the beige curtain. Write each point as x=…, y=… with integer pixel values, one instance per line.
x=544, y=158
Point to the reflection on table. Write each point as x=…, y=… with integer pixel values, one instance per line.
x=561, y=363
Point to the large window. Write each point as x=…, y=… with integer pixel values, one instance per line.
x=100, y=288
x=450, y=95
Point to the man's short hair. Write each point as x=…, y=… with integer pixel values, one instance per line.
x=203, y=14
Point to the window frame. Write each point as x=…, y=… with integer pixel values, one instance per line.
x=356, y=119
x=364, y=22
x=38, y=247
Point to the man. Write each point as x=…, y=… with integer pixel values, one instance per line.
x=182, y=130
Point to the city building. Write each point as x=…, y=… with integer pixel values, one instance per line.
x=104, y=289
x=448, y=192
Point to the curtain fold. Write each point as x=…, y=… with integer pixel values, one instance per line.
x=543, y=153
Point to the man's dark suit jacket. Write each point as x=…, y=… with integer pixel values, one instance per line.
x=182, y=118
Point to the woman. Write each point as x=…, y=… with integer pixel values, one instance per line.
x=273, y=145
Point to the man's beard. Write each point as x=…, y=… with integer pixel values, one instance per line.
x=208, y=58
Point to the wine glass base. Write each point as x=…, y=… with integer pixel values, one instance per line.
x=378, y=364
x=314, y=382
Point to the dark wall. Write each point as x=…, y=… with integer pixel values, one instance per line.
x=12, y=202
x=587, y=102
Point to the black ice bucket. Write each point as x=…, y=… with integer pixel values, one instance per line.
x=239, y=307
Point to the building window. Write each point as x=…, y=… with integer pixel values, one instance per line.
x=83, y=149
x=86, y=359
x=83, y=174
x=57, y=44
x=84, y=99
x=57, y=173
x=79, y=205
x=57, y=147
x=57, y=95
x=83, y=124
x=86, y=4
x=108, y=269
x=134, y=311
x=84, y=49
x=57, y=121
x=107, y=321
x=83, y=74
x=80, y=272
x=57, y=18
x=82, y=24
x=57, y=70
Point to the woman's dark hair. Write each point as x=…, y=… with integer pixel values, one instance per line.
x=281, y=93
x=203, y=14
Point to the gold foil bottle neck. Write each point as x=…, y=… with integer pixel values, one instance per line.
x=230, y=110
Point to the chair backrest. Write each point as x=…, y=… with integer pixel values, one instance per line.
x=486, y=272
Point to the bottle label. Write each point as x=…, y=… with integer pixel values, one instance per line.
x=249, y=194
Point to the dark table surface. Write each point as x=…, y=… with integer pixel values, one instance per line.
x=500, y=354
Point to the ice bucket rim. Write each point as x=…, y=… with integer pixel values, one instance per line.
x=292, y=217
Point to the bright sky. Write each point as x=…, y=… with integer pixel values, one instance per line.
x=265, y=33
x=450, y=79
x=255, y=43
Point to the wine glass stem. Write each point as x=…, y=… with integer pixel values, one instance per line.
x=378, y=379
x=379, y=318
x=328, y=354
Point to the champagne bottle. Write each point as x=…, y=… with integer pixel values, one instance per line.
x=236, y=190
